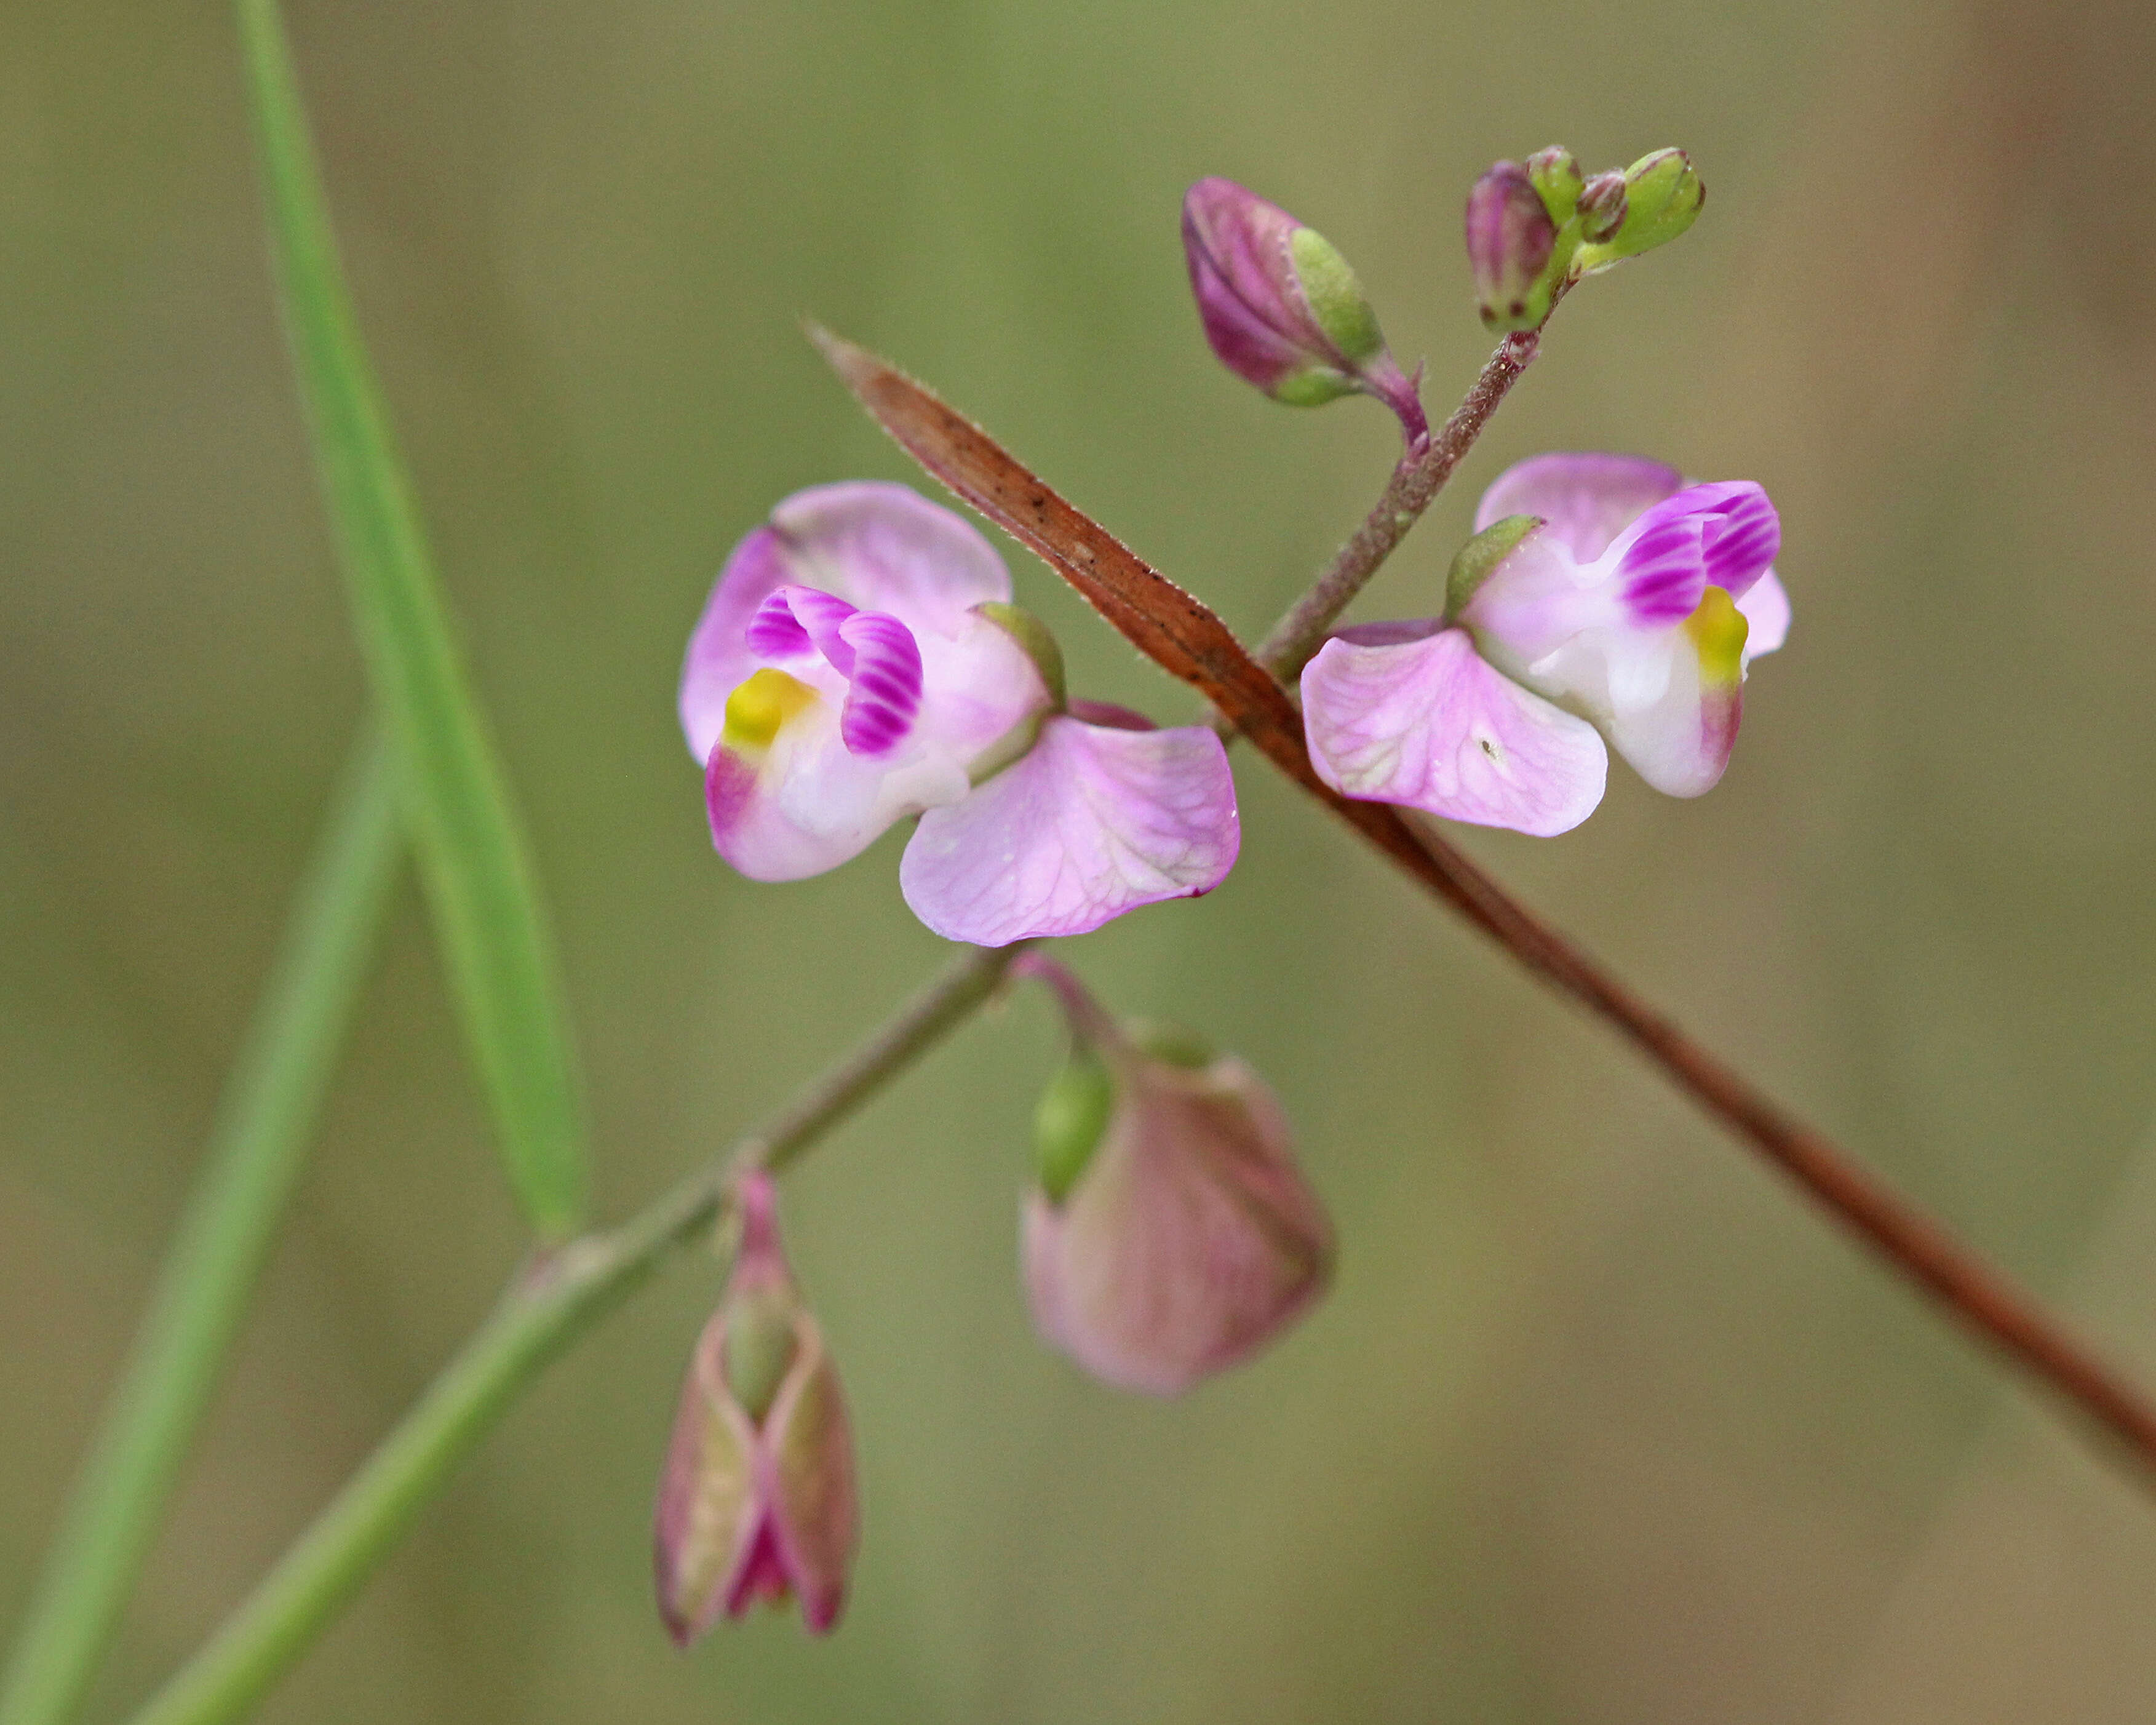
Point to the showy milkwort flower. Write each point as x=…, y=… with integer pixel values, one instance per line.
x=860, y=661
x=1601, y=595
x=1283, y=310
x=1170, y=1234
x=758, y=1500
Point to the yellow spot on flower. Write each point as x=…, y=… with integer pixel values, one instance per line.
x=757, y=710
x=1717, y=629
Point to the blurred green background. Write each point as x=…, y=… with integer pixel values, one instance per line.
x=1599, y=1425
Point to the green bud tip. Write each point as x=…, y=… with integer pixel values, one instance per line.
x=1335, y=297
x=1555, y=175
x=1481, y=555
x=1071, y=1121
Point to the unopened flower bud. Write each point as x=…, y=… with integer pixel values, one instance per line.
x=1170, y=1234
x=1511, y=240
x=758, y=1501
x=1662, y=197
x=1555, y=176
x=1601, y=207
x=1282, y=308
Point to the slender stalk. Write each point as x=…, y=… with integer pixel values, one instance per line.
x=1416, y=483
x=258, y=1147
x=1988, y=1302
x=563, y=1294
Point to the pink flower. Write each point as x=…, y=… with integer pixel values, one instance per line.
x=1171, y=1235
x=1281, y=308
x=1603, y=597
x=758, y=1501
x=860, y=662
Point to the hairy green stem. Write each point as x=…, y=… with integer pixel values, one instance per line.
x=1416, y=483
x=258, y=1147
x=564, y=1292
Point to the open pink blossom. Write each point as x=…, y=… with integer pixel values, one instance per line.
x=1603, y=597
x=860, y=662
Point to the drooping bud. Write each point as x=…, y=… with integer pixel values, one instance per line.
x=1282, y=308
x=1170, y=1234
x=1511, y=246
x=758, y=1500
x=1601, y=207
x=1663, y=194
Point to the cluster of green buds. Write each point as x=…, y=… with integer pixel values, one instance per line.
x=1534, y=229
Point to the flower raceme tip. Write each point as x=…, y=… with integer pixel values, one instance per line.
x=860, y=662
x=1283, y=310
x=1536, y=227
x=1169, y=1234
x=758, y=1501
x=1602, y=598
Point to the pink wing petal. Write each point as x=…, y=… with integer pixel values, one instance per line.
x=1587, y=498
x=1428, y=725
x=1766, y=608
x=1093, y=822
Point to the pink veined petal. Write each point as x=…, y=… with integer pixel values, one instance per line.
x=873, y=546
x=1092, y=822
x=1662, y=572
x=885, y=548
x=1427, y=724
x=1537, y=599
x=796, y=620
x=1766, y=608
x=1738, y=532
x=1587, y=498
x=884, y=693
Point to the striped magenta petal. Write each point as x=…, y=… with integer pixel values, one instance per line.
x=875, y=652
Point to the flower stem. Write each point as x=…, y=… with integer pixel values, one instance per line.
x=558, y=1297
x=258, y=1147
x=1416, y=483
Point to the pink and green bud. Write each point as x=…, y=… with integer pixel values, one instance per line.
x=1602, y=598
x=1282, y=308
x=1602, y=207
x=1512, y=249
x=758, y=1500
x=1170, y=1234
x=1663, y=195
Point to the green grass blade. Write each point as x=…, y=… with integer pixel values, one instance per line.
x=472, y=854
x=258, y=1147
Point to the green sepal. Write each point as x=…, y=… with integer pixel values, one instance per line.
x=1335, y=297
x=1071, y=1121
x=1032, y=634
x=1479, y=556
x=1039, y=645
x=1312, y=387
x=1171, y=1044
x=1555, y=175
